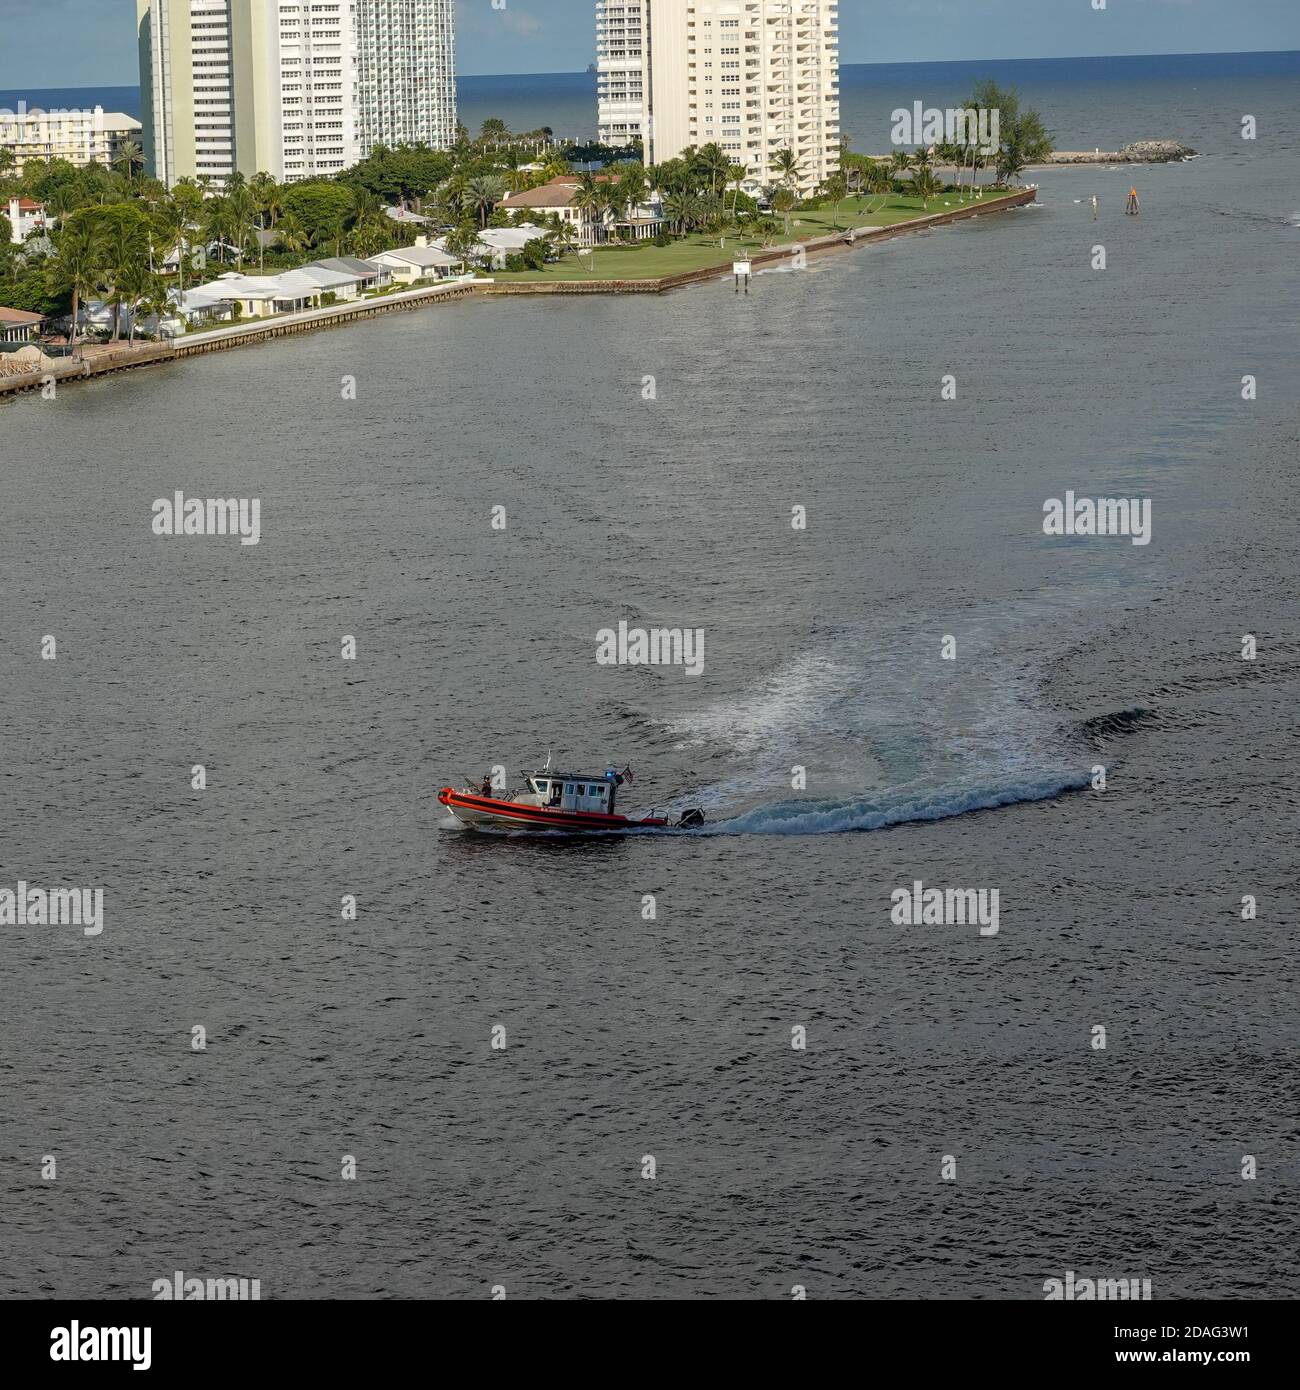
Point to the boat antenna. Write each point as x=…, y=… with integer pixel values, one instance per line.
x=548, y=760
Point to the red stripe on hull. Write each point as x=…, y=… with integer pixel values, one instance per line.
x=542, y=816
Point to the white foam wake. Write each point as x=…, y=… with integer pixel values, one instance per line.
x=837, y=817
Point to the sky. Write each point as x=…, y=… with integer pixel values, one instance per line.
x=91, y=43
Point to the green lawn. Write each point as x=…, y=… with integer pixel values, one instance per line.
x=697, y=252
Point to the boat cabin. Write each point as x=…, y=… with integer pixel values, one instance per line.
x=575, y=791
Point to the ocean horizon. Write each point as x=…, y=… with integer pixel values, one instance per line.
x=1073, y=93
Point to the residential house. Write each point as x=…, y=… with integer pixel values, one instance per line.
x=559, y=196
x=368, y=276
x=412, y=263
x=25, y=217
x=18, y=326
x=258, y=296
x=405, y=217
x=590, y=227
x=496, y=243
x=340, y=283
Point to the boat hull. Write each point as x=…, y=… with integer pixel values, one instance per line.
x=488, y=811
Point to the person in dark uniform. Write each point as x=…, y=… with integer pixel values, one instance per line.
x=486, y=788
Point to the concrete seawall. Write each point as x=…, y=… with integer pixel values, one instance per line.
x=103, y=363
x=814, y=246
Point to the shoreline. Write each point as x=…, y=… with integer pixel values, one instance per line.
x=124, y=358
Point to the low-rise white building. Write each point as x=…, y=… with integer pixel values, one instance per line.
x=25, y=217
x=412, y=263
x=339, y=283
x=258, y=296
x=18, y=326
x=367, y=275
x=496, y=243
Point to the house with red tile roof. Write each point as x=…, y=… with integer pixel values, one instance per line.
x=25, y=217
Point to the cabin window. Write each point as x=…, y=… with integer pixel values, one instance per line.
x=582, y=790
x=543, y=787
x=569, y=789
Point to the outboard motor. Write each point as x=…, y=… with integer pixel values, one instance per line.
x=691, y=820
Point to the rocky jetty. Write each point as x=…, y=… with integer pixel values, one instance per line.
x=1139, y=152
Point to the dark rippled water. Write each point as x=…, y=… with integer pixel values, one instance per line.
x=672, y=1037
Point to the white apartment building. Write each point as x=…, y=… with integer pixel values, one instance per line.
x=248, y=85
x=406, y=73
x=622, y=61
x=91, y=136
x=752, y=76
x=317, y=90
x=295, y=88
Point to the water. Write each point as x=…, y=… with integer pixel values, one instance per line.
x=671, y=1037
x=1088, y=103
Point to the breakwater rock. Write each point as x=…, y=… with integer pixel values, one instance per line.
x=1139, y=152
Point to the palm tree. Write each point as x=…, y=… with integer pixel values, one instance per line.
x=77, y=266
x=879, y=179
x=786, y=163
x=565, y=239
x=837, y=188
x=292, y=234
x=711, y=163
x=784, y=200
x=483, y=193
x=64, y=201
x=217, y=224
x=925, y=184
x=124, y=232
x=630, y=192
x=268, y=202
x=243, y=209
x=152, y=302
x=454, y=192
x=900, y=162
x=591, y=199
x=129, y=159
x=736, y=174
x=135, y=284
x=676, y=210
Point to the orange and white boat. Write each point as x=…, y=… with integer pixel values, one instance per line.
x=569, y=801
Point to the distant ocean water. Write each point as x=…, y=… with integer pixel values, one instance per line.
x=1088, y=102
x=672, y=1036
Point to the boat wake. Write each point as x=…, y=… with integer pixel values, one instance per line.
x=887, y=734
x=840, y=817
